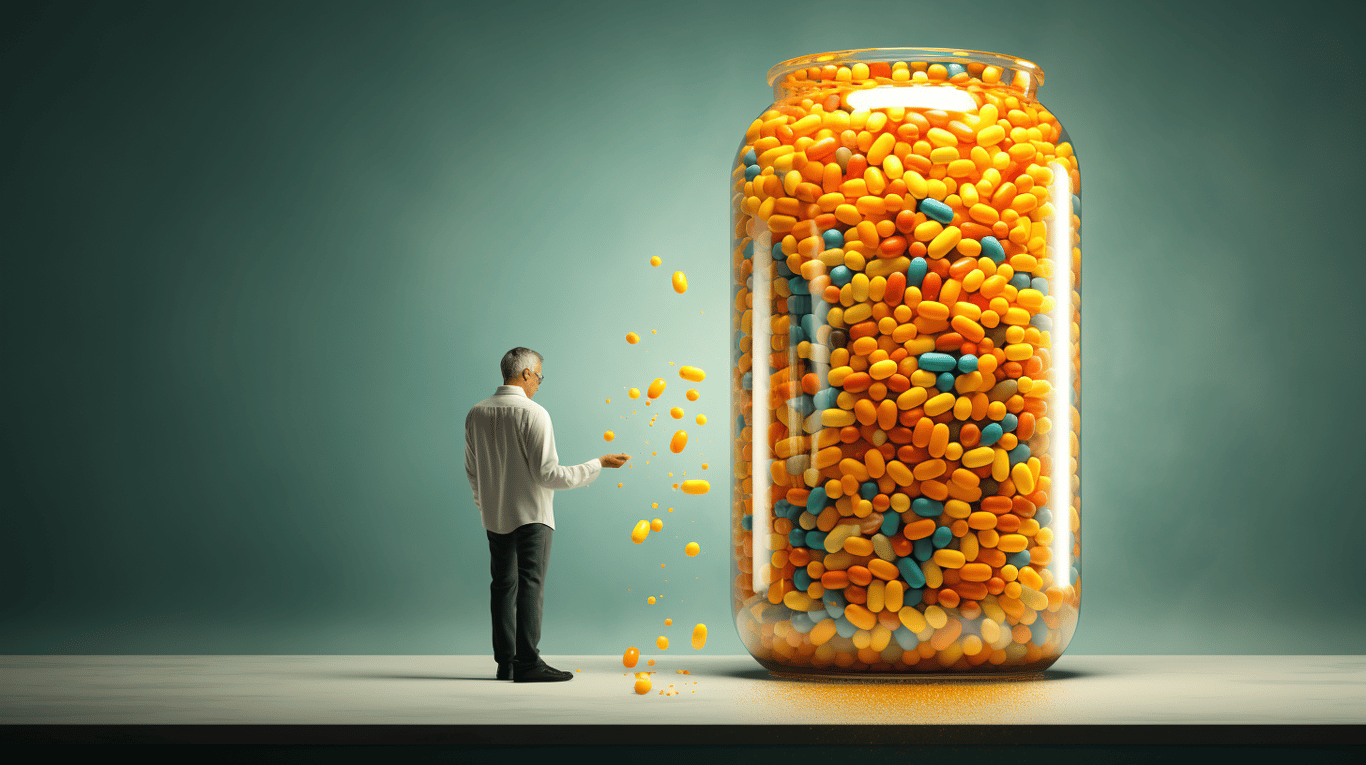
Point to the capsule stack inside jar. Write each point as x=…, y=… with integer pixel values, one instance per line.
x=906, y=492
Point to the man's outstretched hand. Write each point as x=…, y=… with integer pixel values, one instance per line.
x=614, y=460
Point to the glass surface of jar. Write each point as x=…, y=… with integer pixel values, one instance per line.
x=906, y=390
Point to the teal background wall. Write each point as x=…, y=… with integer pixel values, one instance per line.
x=260, y=258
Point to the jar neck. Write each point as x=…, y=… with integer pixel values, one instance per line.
x=819, y=74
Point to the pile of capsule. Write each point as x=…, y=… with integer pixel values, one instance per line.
x=911, y=518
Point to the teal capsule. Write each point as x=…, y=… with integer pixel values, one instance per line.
x=927, y=508
x=991, y=247
x=936, y=210
x=915, y=274
x=991, y=434
x=937, y=362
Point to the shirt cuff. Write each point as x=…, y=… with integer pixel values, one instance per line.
x=596, y=462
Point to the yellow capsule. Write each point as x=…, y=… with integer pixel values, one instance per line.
x=699, y=636
x=650, y=600
x=641, y=531
x=662, y=642
x=656, y=525
x=695, y=487
x=883, y=369
x=692, y=374
x=680, y=282
x=656, y=388
x=678, y=442
x=632, y=338
x=943, y=155
x=934, y=407
x=949, y=558
x=642, y=685
x=945, y=241
x=1012, y=543
x=701, y=419
x=655, y=261
x=975, y=458
x=609, y=435
x=936, y=617
x=676, y=413
x=912, y=619
x=1018, y=351
x=882, y=147
x=991, y=135
x=693, y=394
x=1024, y=480
x=840, y=418
x=633, y=393
x=692, y=549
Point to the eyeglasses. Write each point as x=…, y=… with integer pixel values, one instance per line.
x=539, y=378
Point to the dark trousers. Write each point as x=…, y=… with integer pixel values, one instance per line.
x=518, y=565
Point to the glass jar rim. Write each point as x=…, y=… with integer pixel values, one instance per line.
x=907, y=54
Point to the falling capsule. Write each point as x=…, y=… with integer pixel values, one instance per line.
x=699, y=636
x=656, y=388
x=679, y=441
x=630, y=658
x=641, y=531
x=680, y=282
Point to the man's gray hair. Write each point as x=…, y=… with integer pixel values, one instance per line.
x=518, y=359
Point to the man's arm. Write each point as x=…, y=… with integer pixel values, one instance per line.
x=471, y=464
x=544, y=462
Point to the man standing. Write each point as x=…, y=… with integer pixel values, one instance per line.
x=513, y=468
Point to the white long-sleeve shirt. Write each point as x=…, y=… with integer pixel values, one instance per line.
x=511, y=462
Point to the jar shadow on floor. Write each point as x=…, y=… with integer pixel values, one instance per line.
x=1048, y=675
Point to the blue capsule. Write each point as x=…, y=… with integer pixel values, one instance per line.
x=841, y=275
x=944, y=382
x=795, y=334
x=801, y=304
x=1009, y=422
x=915, y=273
x=1044, y=516
x=750, y=157
x=936, y=210
x=867, y=489
x=781, y=508
x=801, y=579
x=991, y=247
x=921, y=549
x=808, y=321
x=747, y=381
x=1042, y=321
x=815, y=539
x=782, y=270
x=967, y=363
x=1020, y=280
x=1038, y=632
x=1018, y=454
x=825, y=398
x=833, y=239
x=991, y=434
x=1076, y=205
x=941, y=537
x=797, y=537
x=834, y=598
x=890, y=523
x=927, y=508
x=752, y=172
x=815, y=501
x=1019, y=559
x=778, y=251
x=799, y=286
x=802, y=622
x=749, y=249
x=905, y=638
x=1039, y=283
x=954, y=70
x=937, y=362
x=747, y=523
x=844, y=628
x=910, y=571
x=1072, y=575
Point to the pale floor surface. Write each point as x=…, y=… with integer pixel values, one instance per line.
x=460, y=690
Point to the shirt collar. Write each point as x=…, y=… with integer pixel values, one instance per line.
x=510, y=390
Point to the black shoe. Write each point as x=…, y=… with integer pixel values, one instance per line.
x=542, y=673
x=504, y=670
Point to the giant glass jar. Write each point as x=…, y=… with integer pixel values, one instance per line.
x=906, y=384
